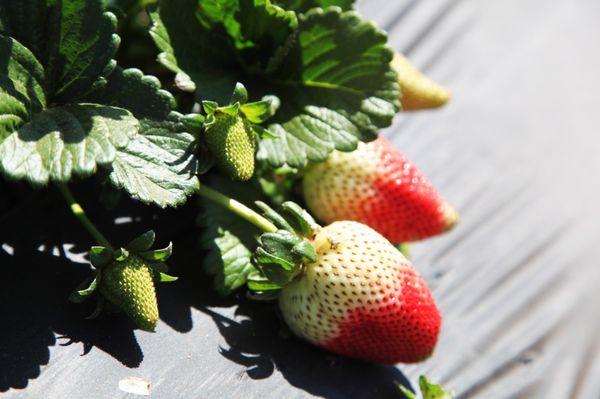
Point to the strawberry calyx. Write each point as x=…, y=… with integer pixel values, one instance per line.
x=139, y=249
x=281, y=255
x=255, y=112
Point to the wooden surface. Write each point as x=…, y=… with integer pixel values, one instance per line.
x=517, y=152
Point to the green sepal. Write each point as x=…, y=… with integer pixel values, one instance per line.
x=121, y=254
x=209, y=107
x=258, y=283
x=292, y=218
x=81, y=294
x=305, y=250
x=159, y=267
x=263, y=295
x=100, y=256
x=193, y=122
x=240, y=95
x=274, y=217
x=264, y=133
x=232, y=109
x=160, y=255
x=259, y=111
x=280, y=256
x=404, y=249
x=143, y=242
x=165, y=278
x=97, y=310
x=302, y=221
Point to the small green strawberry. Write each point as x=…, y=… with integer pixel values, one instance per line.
x=125, y=278
x=129, y=285
x=231, y=132
x=233, y=141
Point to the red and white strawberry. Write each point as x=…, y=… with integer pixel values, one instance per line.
x=380, y=187
x=361, y=298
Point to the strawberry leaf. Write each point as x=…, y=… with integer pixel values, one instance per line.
x=432, y=391
x=66, y=141
x=65, y=110
x=229, y=241
x=332, y=72
x=200, y=57
x=305, y=5
x=159, y=165
x=22, y=86
x=428, y=390
x=335, y=91
x=131, y=89
x=74, y=40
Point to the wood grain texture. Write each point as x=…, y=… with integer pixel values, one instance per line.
x=516, y=151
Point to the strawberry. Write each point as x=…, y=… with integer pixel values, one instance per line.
x=129, y=285
x=378, y=186
x=233, y=142
x=125, y=277
x=418, y=91
x=361, y=298
x=231, y=131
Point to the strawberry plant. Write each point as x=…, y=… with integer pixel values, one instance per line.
x=285, y=98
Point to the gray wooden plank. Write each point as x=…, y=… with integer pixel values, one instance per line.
x=516, y=151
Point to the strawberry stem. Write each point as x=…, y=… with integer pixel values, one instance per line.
x=238, y=208
x=79, y=213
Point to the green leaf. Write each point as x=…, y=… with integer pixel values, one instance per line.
x=22, y=86
x=229, y=241
x=332, y=74
x=267, y=26
x=432, y=391
x=66, y=141
x=159, y=165
x=336, y=86
x=303, y=6
x=131, y=89
x=192, y=50
x=74, y=40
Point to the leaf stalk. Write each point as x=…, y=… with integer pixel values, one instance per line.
x=238, y=208
x=79, y=213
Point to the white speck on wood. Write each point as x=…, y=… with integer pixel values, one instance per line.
x=135, y=385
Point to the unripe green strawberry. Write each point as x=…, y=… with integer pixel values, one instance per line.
x=129, y=285
x=418, y=91
x=380, y=187
x=361, y=298
x=231, y=139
